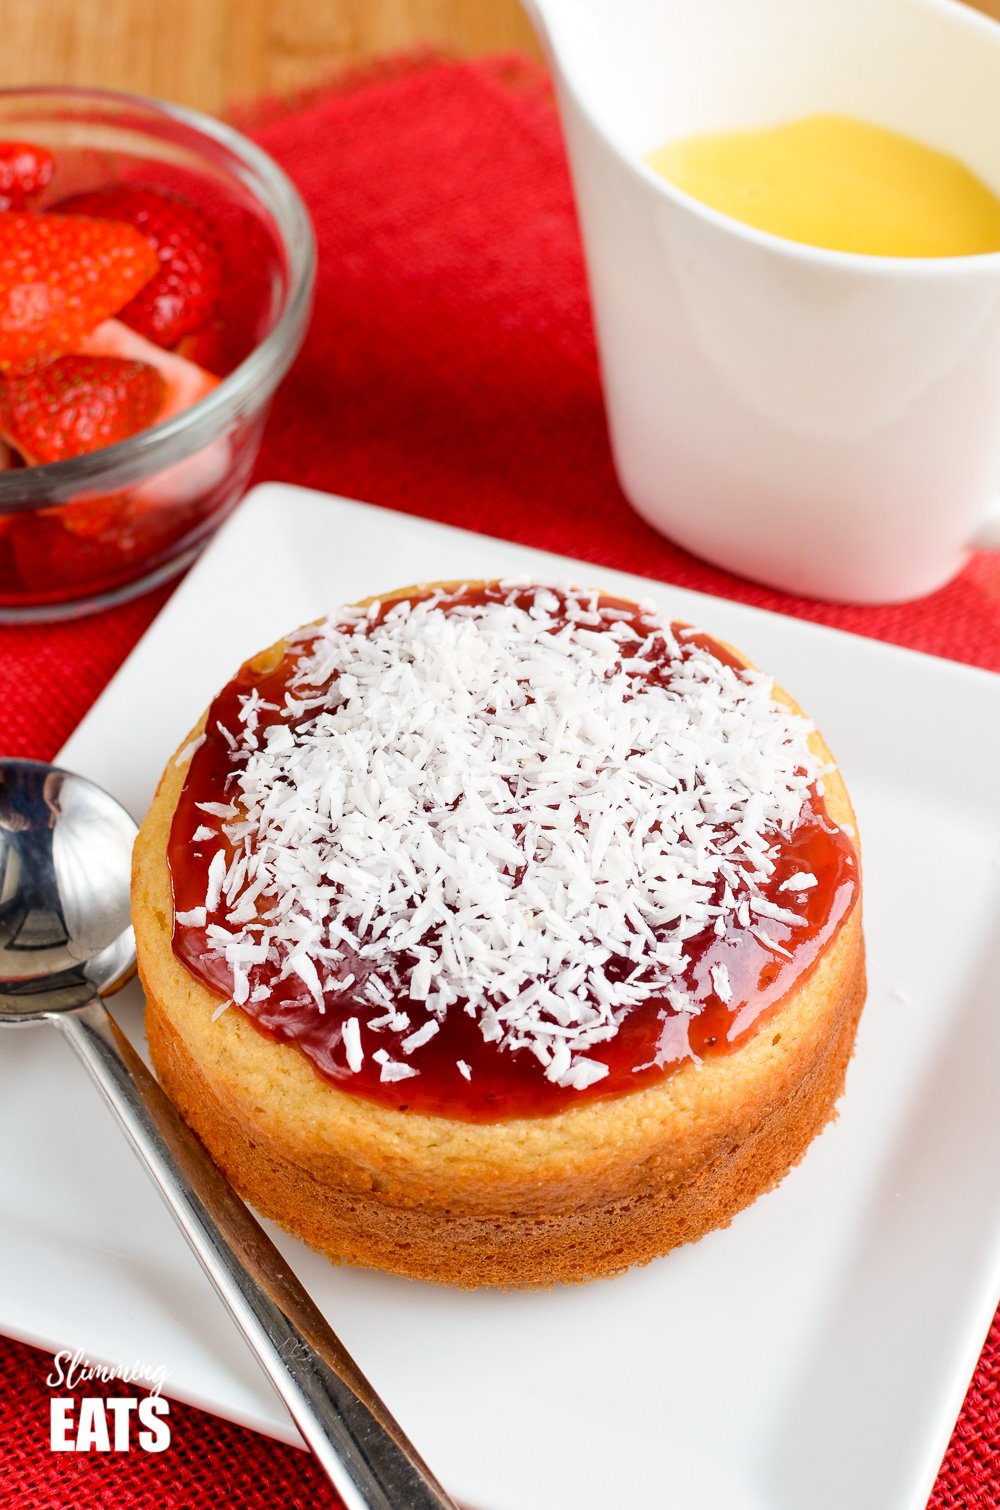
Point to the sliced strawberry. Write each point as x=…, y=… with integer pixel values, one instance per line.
x=193, y=476
x=77, y=404
x=60, y=275
x=182, y=297
x=185, y=382
x=25, y=170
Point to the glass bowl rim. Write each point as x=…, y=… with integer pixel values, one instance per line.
x=261, y=369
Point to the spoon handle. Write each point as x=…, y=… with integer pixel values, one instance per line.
x=363, y=1451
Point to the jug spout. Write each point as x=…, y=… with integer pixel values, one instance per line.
x=576, y=31
x=607, y=55
x=545, y=16
x=539, y=13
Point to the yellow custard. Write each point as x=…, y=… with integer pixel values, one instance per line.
x=840, y=183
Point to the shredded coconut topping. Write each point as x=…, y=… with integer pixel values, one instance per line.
x=518, y=809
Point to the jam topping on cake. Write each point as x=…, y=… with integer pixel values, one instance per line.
x=490, y=851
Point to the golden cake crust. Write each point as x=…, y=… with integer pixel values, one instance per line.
x=588, y=1191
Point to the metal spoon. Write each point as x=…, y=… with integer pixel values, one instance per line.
x=65, y=940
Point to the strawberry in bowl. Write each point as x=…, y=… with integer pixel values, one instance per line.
x=182, y=296
x=155, y=282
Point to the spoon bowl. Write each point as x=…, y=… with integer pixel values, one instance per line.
x=65, y=927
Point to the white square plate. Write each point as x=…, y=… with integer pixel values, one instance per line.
x=814, y=1354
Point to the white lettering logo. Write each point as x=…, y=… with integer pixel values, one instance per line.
x=95, y=1424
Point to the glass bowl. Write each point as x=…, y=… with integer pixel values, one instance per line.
x=80, y=534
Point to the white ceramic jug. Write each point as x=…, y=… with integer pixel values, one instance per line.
x=824, y=422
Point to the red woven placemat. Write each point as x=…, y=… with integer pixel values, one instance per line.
x=450, y=372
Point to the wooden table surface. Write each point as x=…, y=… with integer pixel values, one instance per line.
x=210, y=53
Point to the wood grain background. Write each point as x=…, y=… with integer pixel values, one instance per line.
x=211, y=53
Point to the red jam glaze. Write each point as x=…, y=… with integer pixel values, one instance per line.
x=506, y=1084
